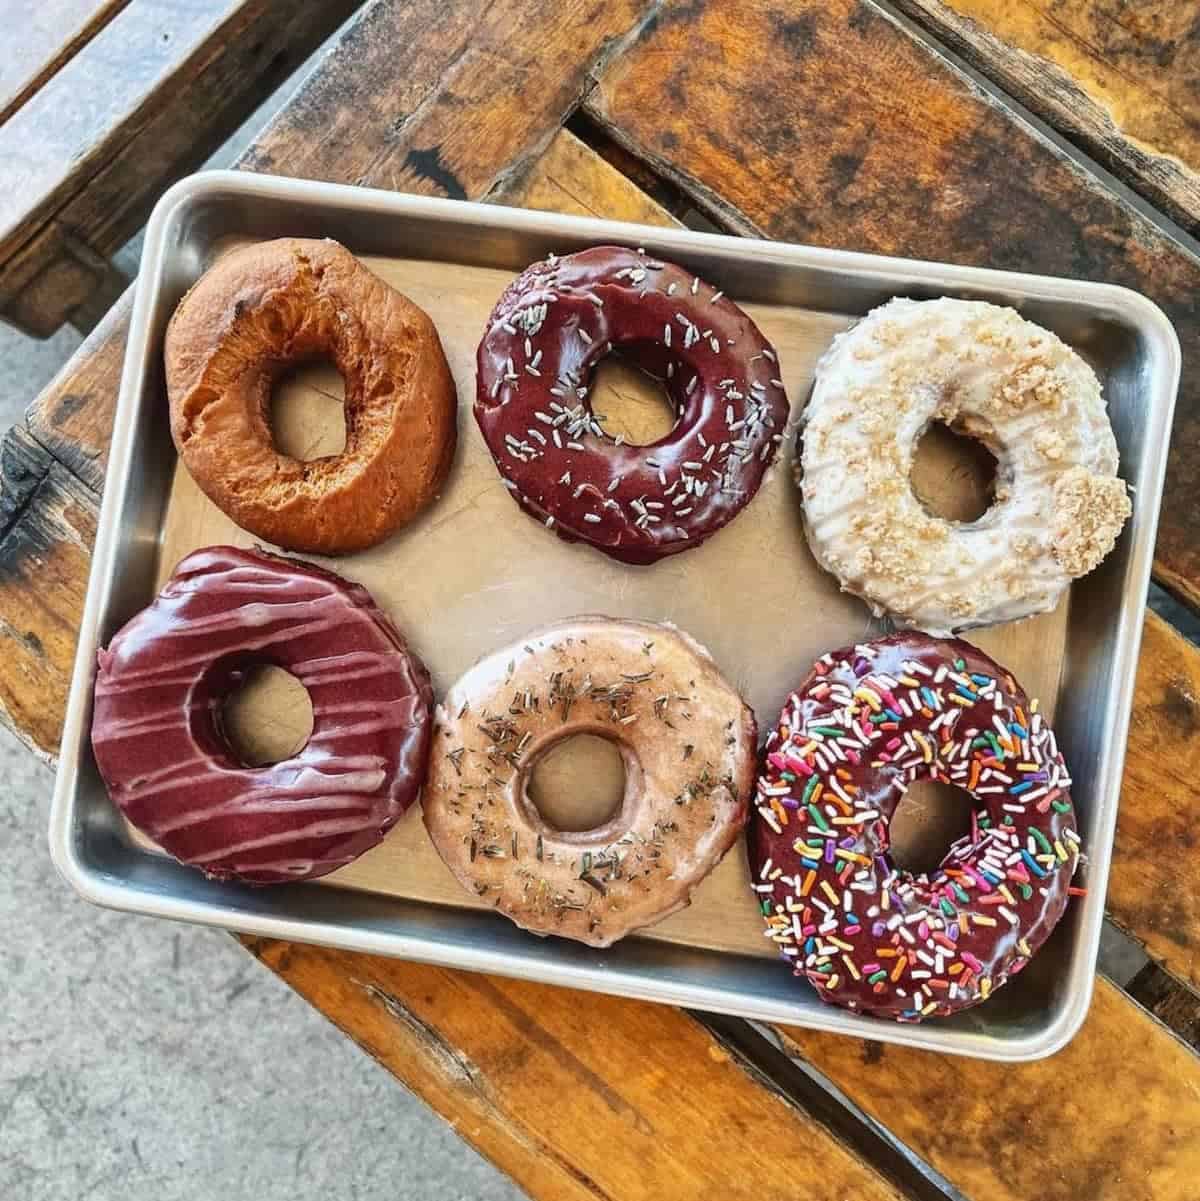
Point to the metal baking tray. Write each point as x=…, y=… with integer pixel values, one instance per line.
x=1126, y=337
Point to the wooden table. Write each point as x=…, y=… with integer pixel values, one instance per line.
x=102, y=104
x=839, y=122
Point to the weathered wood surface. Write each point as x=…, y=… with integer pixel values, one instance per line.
x=40, y=38
x=47, y=524
x=877, y=144
x=496, y=1057
x=73, y=415
x=1154, y=889
x=1113, y=1117
x=1120, y=80
x=576, y=1102
x=448, y=99
x=147, y=97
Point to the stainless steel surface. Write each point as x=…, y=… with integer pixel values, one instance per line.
x=1125, y=335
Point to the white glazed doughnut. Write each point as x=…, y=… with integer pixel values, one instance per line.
x=984, y=371
x=689, y=744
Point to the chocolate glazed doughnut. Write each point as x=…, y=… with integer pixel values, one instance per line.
x=157, y=725
x=553, y=324
x=264, y=307
x=868, y=721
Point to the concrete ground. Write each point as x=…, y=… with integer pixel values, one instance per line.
x=148, y=1061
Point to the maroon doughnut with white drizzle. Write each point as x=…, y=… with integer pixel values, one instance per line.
x=867, y=722
x=157, y=726
x=638, y=504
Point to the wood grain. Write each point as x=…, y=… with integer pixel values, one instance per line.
x=47, y=524
x=73, y=416
x=1154, y=889
x=41, y=39
x=469, y=575
x=576, y=1102
x=570, y=178
x=1121, y=80
x=447, y=99
x=1113, y=1117
x=876, y=144
x=145, y=99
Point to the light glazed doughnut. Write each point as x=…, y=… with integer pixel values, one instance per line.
x=688, y=743
x=264, y=307
x=986, y=372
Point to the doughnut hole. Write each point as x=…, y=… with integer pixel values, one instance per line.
x=953, y=474
x=578, y=783
x=267, y=718
x=308, y=411
x=931, y=815
x=630, y=403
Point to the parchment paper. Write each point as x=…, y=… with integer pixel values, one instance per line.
x=474, y=573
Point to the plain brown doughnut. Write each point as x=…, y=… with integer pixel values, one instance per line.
x=264, y=307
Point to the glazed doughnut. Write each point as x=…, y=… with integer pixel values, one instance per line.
x=554, y=323
x=157, y=725
x=268, y=306
x=866, y=722
x=986, y=372
x=688, y=743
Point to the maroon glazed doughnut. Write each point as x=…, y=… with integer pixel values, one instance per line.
x=866, y=722
x=553, y=324
x=158, y=741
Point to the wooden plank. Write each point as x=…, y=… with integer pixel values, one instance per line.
x=73, y=415
x=42, y=39
x=570, y=178
x=1116, y=1115
x=47, y=524
x=148, y=97
x=447, y=99
x=1154, y=889
x=877, y=144
x=1121, y=80
x=576, y=1099
x=389, y=108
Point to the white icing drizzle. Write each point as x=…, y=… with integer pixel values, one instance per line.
x=163, y=680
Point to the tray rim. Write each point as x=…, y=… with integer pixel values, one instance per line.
x=107, y=890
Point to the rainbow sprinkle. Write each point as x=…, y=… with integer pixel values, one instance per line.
x=873, y=719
